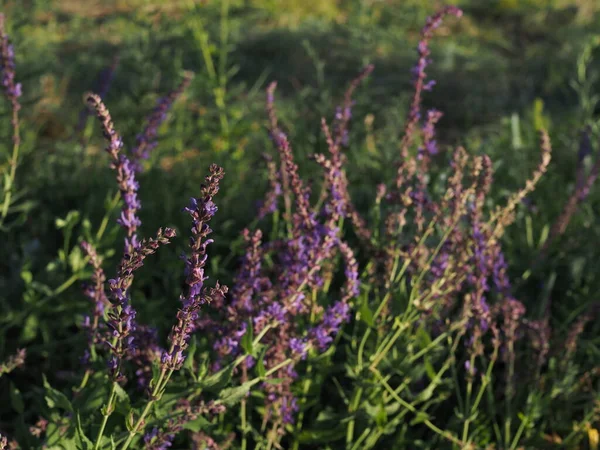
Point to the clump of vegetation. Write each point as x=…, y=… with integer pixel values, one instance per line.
x=378, y=310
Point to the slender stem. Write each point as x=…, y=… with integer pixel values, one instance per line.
x=515, y=441
x=508, y=394
x=160, y=384
x=105, y=219
x=106, y=414
x=244, y=425
x=411, y=408
x=13, y=166
x=353, y=407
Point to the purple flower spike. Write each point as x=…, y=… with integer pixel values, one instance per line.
x=122, y=315
x=125, y=174
x=201, y=210
x=12, y=90
x=420, y=76
x=146, y=141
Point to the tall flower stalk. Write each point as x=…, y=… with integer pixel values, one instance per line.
x=146, y=141
x=12, y=92
x=201, y=209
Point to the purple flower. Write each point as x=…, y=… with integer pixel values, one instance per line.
x=335, y=315
x=121, y=317
x=420, y=76
x=201, y=210
x=12, y=90
x=298, y=347
x=125, y=174
x=146, y=140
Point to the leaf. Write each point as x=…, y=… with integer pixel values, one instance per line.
x=231, y=396
x=83, y=441
x=420, y=417
x=198, y=424
x=321, y=436
x=189, y=359
x=27, y=276
x=218, y=380
x=366, y=315
x=130, y=420
x=381, y=418
x=76, y=259
x=30, y=329
x=260, y=363
x=56, y=399
x=123, y=403
x=16, y=399
x=248, y=338
x=429, y=369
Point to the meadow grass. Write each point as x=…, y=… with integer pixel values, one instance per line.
x=474, y=325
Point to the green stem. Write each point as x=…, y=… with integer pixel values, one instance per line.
x=105, y=219
x=106, y=414
x=160, y=384
x=353, y=407
x=411, y=408
x=13, y=166
x=244, y=425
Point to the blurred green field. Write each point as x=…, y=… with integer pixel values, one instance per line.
x=508, y=68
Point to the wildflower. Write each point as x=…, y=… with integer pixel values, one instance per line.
x=333, y=318
x=13, y=362
x=122, y=315
x=95, y=291
x=201, y=210
x=146, y=140
x=39, y=428
x=125, y=174
x=420, y=76
x=269, y=205
x=12, y=90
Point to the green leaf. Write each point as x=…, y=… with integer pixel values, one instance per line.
x=420, y=417
x=30, y=329
x=189, y=359
x=381, y=418
x=429, y=369
x=123, y=403
x=197, y=424
x=56, y=399
x=321, y=436
x=16, y=399
x=248, y=338
x=260, y=363
x=274, y=380
x=233, y=395
x=83, y=441
x=27, y=276
x=76, y=259
x=130, y=420
x=218, y=380
x=366, y=315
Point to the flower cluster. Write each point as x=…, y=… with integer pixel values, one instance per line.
x=122, y=315
x=13, y=362
x=12, y=89
x=125, y=174
x=278, y=301
x=201, y=210
x=162, y=439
